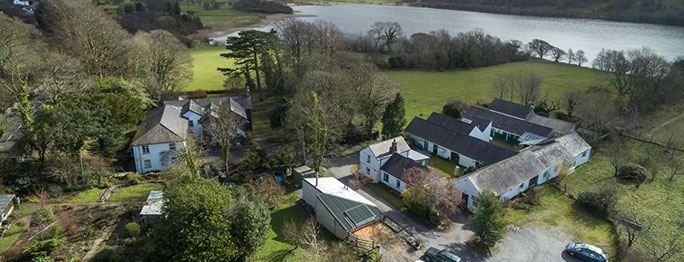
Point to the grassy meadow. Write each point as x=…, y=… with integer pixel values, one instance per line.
x=205, y=60
x=659, y=200
x=225, y=17
x=426, y=92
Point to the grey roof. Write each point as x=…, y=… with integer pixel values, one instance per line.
x=481, y=123
x=350, y=214
x=451, y=123
x=507, y=123
x=398, y=164
x=559, y=126
x=382, y=149
x=238, y=104
x=530, y=162
x=510, y=108
x=463, y=144
x=5, y=200
x=13, y=134
x=161, y=125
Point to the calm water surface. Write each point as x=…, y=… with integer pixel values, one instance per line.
x=586, y=34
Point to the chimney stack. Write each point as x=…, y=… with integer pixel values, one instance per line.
x=393, y=147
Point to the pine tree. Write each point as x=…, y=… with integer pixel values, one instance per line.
x=487, y=220
x=394, y=118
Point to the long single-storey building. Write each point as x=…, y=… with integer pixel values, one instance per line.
x=339, y=208
x=511, y=129
x=531, y=166
x=455, y=144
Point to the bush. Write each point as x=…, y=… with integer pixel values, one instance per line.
x=107, y=255
x=633, y=172
x=133, y=178
x=200, y=93
x=599, y=203
x=455, y=108
x=132, y=242
x=132, y=229
x=55, y=190
x=42, y=248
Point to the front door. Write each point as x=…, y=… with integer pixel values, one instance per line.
x=434, y=149
x=425, y=145
x=454, y=157
x=464, y=199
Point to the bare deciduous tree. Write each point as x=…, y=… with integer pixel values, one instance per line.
x=305, y=235
x=557, y=54
x=580, y=58
x=571, y=100
x=540, y=47
x=384, y=35
x=269, y=189
x=527, y=86
x=571, y=56
x=225, y=126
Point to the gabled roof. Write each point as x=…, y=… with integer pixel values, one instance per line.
x=382, y=149
x=161, y=125
x=463, y=144
x=348, y=213
x=529, y=163
x=332, y=186
x=508, y=123
x=559, y=126
x=451, y=123
x=5, y=200
x=510, y=108
x=398, y=164
x=238, y=104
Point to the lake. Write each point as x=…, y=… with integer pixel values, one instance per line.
x=587, y=34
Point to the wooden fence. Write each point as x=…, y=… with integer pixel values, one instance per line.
x=360, y=242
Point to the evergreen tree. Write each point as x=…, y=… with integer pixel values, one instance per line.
x=245, y=50
x=487, y=220
x=394, y=118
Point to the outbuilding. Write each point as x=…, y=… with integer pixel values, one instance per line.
x=152, y=208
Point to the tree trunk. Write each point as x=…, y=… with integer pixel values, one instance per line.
x=258, y=79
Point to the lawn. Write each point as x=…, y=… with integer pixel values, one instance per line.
x=134, y=193
x=475, y=85
x=447, y=167
x=558, y=211
x=387, y=194
x=660, y=200
x=90, y=195
x=205, y=60
x=225, y=17
x=10, y=236
x=276, y=247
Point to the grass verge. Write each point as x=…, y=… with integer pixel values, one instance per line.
x=387, y=194
x=134, y=193
x=557, y=210
x=90, y=195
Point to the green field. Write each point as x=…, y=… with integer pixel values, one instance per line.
x=558, y=211
x=661, y=199
x=134, y=193
x=225, y=17
x=426, y=92
x=205, y=60
x=90, y=195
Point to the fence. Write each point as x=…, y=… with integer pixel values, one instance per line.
x=360, y=242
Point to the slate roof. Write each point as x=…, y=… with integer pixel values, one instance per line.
x=5, y=200
x=530, y=162
x=238, y=104
x=510, y=108
x=463, y=144
x=154, y=203
x=559, y=126
x=398, y=164
x=451, y=123
x=507, y=123
x=382, y=149
x=161, y=125
x=348, y=213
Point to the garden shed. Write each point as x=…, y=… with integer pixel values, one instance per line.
x=6, y=206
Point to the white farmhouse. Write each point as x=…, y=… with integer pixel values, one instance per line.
x=532, y=166
x=374, y=156
x=159, y=137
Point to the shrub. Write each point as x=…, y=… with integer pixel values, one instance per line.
x=132, y=242
x=200, y=93
x=55, y=190
x=107, y=255
x=599, y=203
x=632, y=172
x=42, y=248
x=455, y=108
x=132, y=178
x=132, y=229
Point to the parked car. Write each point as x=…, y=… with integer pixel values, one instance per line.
x=586, y=252
x=433, y=254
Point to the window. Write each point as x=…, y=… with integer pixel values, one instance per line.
x=585, y=153
x=367, y=171
x=385, y=177
x=146, y=149
x=148, y=163
x=522, y=185
x=398, y=183
x=191, y=123
x=476, y=202
x=368, y=160
x=172, y=146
